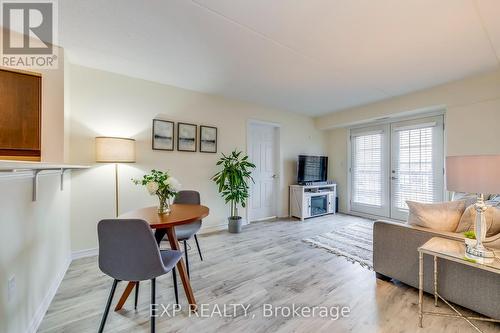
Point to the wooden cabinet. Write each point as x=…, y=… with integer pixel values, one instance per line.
x=20, y=115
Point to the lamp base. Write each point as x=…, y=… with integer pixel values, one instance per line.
x=479, y=254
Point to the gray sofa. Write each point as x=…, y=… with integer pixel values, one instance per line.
x=395, y=256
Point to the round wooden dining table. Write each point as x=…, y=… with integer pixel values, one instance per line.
x=180, y=214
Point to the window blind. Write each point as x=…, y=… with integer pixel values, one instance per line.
x=366, y=169
x=414, y=170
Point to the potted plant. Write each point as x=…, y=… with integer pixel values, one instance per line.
x=232, y=182
x=162, y=185
x=470, y=238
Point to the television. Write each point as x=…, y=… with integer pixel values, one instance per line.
x=312, y=169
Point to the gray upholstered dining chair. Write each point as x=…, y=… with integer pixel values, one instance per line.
x=185, y=231
x=128, y=252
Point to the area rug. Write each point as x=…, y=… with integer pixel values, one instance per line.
x=353, y=242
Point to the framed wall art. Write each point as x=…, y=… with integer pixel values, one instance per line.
x=208, y=139
x=163, y=135
x=186, y=137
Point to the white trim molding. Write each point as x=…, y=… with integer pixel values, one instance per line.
x=36, y=320
x=213, y=228
x=84, y=253
x=262, y=122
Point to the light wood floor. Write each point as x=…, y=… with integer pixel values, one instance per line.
x=267, y=263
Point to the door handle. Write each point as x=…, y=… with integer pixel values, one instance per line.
x=275, y=176
x=394, y=178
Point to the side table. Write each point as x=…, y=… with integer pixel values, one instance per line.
x=447, y=249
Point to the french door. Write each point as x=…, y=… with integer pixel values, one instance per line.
x=396, y=162
x=370, y=170
x=417, y=172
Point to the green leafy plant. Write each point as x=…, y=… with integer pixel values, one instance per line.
x=470, y=234
x=232, y=180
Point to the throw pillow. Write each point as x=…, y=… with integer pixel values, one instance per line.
x=494, y=200
x=443, y=216
x=470, y=198
x=492, y=215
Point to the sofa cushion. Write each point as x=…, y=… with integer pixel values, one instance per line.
x=492, y=215
x=443, y=216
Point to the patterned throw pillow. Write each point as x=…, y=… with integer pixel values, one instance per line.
x=470, y=198
x=494, y=200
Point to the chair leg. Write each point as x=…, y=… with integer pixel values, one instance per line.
x=187, y=258
x=108, y=304
x=198, y=246
x=136, y=294
x=176, y=292
x=153, y=301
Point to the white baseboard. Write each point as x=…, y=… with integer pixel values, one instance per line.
x=84, y=253
x=49, y=296
x=213, y=228
x=223, y=226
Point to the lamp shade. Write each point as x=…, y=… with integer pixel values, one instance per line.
x=473, y=174
x=114, y=150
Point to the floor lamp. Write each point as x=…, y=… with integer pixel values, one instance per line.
x=475, y=174
x=115, y=150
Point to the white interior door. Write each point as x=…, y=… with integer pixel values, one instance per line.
x=263, y=152
x=417, y=172
x=369, y=170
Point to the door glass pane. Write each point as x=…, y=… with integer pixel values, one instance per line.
x=367, y=175
x=414, y=172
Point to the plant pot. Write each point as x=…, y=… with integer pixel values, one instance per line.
x=234, y=224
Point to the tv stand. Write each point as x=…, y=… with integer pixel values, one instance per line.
x=328, y=182
x=312, y=200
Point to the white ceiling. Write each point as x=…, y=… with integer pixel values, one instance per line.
x=306, y=56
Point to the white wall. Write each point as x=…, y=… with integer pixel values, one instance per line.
x=472, y=120
x=34, y=247
x=103, y=103
x=35, y=236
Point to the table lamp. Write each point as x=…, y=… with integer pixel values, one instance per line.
x=475, y=174
x=115, y=150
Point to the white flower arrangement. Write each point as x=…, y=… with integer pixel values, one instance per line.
x=161, y=184
x=152, y=187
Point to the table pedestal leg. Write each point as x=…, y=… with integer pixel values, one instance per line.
x=181, y=268
x=126, y=293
